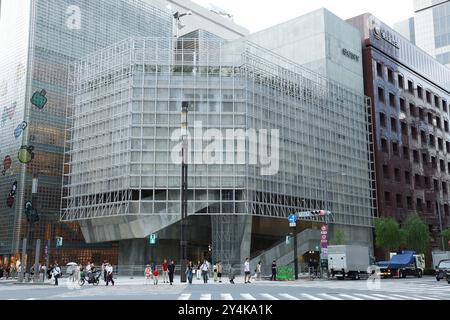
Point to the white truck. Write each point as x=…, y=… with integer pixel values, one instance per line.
x=348, y=262
x=438, y=256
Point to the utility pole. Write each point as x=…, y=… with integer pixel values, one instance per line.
x=293, y=225
x=184, y=188
x=438, y=204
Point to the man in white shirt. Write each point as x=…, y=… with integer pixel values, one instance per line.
x=56, y=273
x=109, y=274
x=205, y=269
x=247, y=271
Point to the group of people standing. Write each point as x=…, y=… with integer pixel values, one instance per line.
x=152, y=272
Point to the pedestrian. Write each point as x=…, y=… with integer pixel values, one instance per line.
x=258, y=271
x=215, y=272
x=104, y=265
x=199, y=271
x=43, y=272
x=219, y=271
x=247, y=274
x=56, y=273
x=205, y=270
x=109, y=274
x=231, y=275
x=165, y=271
x=274, y=271
x=171, y=270
x=147, y=274
x=155, y=276
x=8, y=272
x=190, y=271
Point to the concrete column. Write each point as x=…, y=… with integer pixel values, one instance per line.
x=36, y=259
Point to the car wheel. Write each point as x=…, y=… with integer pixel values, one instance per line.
x=438, y=279
x=419, y=274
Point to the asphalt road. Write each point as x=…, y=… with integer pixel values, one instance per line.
x=426, y=288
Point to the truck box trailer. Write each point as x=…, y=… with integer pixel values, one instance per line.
x=348, y=261
x=406, y=263
x=438, y=256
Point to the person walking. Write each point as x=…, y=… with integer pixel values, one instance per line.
x=155, y=276
x=190, y=271
x=219, y=271
x=104, y=273
x=56, y=273
x=258, y=271
x=171, y=269
x=205, y=270
x=274, y=271
x=164, y=271
x=215, y=272
x=231, y=274
x=147, y=274
x=199, y=271
x=247, y=274
x=109, y=274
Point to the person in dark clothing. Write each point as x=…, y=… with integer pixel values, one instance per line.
x=274, y=271
x=171, y=268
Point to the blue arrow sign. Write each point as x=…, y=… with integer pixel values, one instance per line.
x=292, y=218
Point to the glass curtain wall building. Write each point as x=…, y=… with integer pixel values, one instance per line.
x=432, y=28
x=39, y=39
x=123, y=183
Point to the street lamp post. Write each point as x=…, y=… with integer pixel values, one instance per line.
x=438, y=204
x=184, y=188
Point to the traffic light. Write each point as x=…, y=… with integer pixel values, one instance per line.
x=153, y=239
x=39, y=99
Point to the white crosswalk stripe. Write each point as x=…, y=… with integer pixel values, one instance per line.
x=226, y=296
x=288, y=296
x=405, y=297
x=185, y=296
x=268, y=296
x=205, y=297
x=365, y=296
x=310, y=297
x=349, y=297
x=330, y=297
x=247, y=296
x=382, y=296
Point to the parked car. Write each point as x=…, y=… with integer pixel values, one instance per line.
x=443, y=271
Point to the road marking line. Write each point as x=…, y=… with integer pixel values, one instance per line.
x=310, y=297
x=367, y=296
x=185, y=296
x=226, y=296
x=31, y=299
x=288, y=296
x=268, y=296
x=405, y=297
x=384, y=296
x=247, y=296
x=330, y=297
x=349, y=297
x=205, y=296
x=428, y=298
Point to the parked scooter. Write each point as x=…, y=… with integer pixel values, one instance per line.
x=91, y=278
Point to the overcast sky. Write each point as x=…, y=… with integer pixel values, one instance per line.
x=256, y=15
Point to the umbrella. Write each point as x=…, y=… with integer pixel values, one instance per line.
x=72, y=264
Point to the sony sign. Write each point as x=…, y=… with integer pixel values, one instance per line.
x=386, y=36
x=350, y=55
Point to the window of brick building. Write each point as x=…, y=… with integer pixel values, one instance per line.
x=423, y=137
x=425, y=159
x=384, y=145
x=414, y=132
x=412, y=110
x=417, y=181
x=399, y=201
x=435, y=184
x=438, y=123
x=402, y=105
x=406, y=153
x=394, y=124
x=436, y=102
x=409, y=202
x=430, y=118
x=410, y=87
x=441, y=144
x=387, y=198
x=419, y=92
x=434, y=162
x=429, y=209
x=407, y=177
x=404, y=128
x=395, y=149
x=381, y=94
x=382, y=120
x=386, y=174
x=379, y=70
x=419, y=204
x=432, y=141
x=392, y=100
x=444, y=106
x=401, y=81
x=421, y=113
x=442, y=165
x=428, y=95
x=427, y=181
x=416, y=156
x=397, y=175
x=444, y=187
x=390, y=75
x=446, y=126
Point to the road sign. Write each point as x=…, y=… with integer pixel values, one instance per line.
x=153, y=239
x=292, y=218
x=324, y=228
x=292, y=225
x=59, y=242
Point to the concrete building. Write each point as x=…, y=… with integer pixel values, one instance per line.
x=432, y=28
x=123, y=183
x=410, y=94
x=40, y=38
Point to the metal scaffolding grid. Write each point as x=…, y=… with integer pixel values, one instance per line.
x=125, y=107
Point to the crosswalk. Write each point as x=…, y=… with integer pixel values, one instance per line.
x=310, y=296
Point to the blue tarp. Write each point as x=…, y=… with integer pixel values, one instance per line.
x=398, y=261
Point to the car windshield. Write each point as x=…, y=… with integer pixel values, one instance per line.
x=444, y=265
